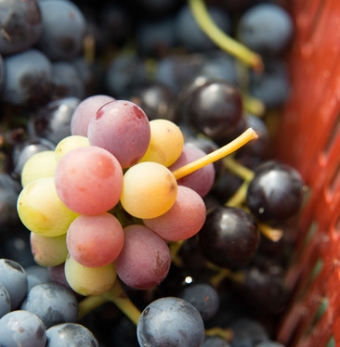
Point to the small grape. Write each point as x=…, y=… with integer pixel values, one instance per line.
x=95, y=241
x=166, y=142
x=69, y=143
x=41, y=210
x=89, y=180
x=89, y=280
x=170, y=321
x=41, y=164
x=143, y=249
x=149, y=190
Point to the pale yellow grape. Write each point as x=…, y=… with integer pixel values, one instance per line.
x=166, y=142
x=41, y=210
x=41, y=164
x=89, y=281
x=149, y=190
x=68, y=144
x=48, y=251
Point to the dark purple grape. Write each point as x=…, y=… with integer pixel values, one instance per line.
x=248, y=332
x=66, y=81
x=215, y=109
x=156, y=37
x=13, y=278
x=52, y=122
x=52, y=303
x=63, y=29
x=20, y=24
x=273, y=86
x=226, y=186
x=204, y=297
x=276, y=192
x=70, y=334
x=170, y=321
x=22, y=328
x=28, y=79
x=229, y=237
x=156, y=100
x=266, y=28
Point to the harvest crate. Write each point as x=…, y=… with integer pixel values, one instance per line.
x=309, y=139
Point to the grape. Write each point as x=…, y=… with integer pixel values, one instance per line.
x=204, y=297
x=52, y=121
x=89, y=280
x=63, y=29
x=215, y=341
x=22, y=151
x=143, y=249
x=20, y=26
x=229, y=237
x=66, y=80
x=202, y=180
x=95, y=241
x=266, y=28
x=85, y=110
x=41, y=164
x=41, y=210
x=170, y=321
x=5, y=301
x=215, y=109
x=69, y=143
x=89, y=180
x=52, y=303
x=70, y=334
x=166, y=142
x=149, y=190
x=122, y=128
x=48, y=251
x=13, y=278
x=28, y=79
x=276, y=192
x=22, y=328
x=183, y=220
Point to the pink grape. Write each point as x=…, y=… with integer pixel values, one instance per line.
x=95, y=240
x=184, y=219
x=85, y=110
x=145, y=258
x=89, y=180
x=201, y=180
x=122, y=128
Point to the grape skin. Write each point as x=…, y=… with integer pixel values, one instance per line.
x=143, y=249
x=149, y=190
x=166, y=142
x=122, y=128
x=89, y=189
x=171, y=322
x=41, y=210
x=86, y=280
x=183, y=220
x=95, y=241
x=68, y=144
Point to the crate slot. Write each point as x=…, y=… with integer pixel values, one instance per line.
x=331, y=342
x=318, y=315
x=334, y=133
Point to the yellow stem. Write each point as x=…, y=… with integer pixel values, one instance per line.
x=273, y=234
x=238, y=169
x=226, y=334
x=218, y=154
x=88, y=304
x=224, y=41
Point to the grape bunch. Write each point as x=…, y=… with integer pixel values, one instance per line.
x=143, y=177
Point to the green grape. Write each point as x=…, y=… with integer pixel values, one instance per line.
x=149, y=190
x=48, y=251
x=166, y=142
x=41, y=164
x=41, y=210
x=69, y=143
x=89, y=280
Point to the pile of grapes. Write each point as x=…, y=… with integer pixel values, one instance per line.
x=141, y=204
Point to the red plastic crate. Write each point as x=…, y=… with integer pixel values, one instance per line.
x=309, y=139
